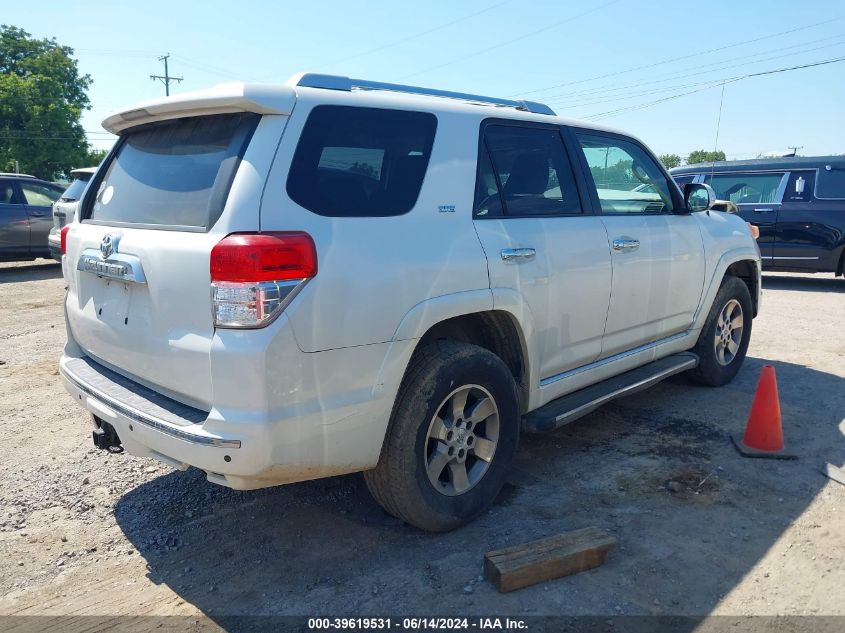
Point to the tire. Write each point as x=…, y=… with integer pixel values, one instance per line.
x=417, y=478
x=721, y=352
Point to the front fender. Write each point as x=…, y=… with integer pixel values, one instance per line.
x=732, y=256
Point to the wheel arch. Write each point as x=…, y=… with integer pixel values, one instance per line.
x=745, y=261
x=474, y=317
x=746, y=270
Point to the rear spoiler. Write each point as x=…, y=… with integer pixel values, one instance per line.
x=221, y=99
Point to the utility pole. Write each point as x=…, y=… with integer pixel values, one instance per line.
x=165, y=78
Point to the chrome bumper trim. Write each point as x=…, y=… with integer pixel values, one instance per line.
x=148, y=420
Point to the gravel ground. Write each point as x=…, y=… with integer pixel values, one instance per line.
x=701, y=530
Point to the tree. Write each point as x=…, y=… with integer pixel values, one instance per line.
x=94, y=157
x=703, y=156
x=670, y=160
x=42, y=97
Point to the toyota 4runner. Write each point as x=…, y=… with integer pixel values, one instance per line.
x=280, y=283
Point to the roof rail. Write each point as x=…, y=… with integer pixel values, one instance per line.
x=9, y=174
x=337, y=82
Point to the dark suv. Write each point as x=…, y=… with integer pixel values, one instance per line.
x=798, y=204
x=26, y=215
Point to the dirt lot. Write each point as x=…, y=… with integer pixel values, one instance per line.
x=86, y=532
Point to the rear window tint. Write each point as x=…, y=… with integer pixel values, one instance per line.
x=361, y=162
x=74, y=190
x=174, y=174
x=831, y=182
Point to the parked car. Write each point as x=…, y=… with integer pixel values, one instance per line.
x=275, y=284
x=64, y=209
x=25, y=208
x=798, y=204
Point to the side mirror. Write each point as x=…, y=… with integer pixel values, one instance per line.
x=698, y=196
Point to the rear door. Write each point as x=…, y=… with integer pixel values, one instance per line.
x=139, y=301
x=810, y=228
x=39, y=197
x=758, y=197
x=14, y=222
x=657, y=254
x=542, y=241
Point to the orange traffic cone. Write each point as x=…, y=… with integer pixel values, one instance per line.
x=763, y=433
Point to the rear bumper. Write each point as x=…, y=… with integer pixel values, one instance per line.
x=54, y=244
x=316, y=435
x=147, y=429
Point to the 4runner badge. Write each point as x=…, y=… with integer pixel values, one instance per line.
x=109, y=245
x=446, y=208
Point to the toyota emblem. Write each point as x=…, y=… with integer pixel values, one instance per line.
x=109, y=245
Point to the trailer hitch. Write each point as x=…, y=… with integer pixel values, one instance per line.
x=105, y=437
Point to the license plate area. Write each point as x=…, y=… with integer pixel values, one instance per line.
x=112, y=301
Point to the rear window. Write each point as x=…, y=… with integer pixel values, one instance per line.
x=361, y=162
x=831, y=182
x=173, y=174
x=75, y=189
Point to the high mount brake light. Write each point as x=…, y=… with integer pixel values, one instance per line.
x=255, y=275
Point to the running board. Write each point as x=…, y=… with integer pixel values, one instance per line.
x=574, y=405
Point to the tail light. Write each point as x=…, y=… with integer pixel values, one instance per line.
x=255, y=275
x=63, y=238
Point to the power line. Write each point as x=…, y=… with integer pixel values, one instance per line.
x=440, y=27
x=676, y=59
x=594, y=99
x=508, y=42
x=685, y=73
x=166, y=78
x=213, y=70
x=641, y=106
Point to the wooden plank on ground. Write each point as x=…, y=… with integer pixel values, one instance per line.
x=547, y=558
x=835, y=473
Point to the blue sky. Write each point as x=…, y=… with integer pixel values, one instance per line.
x=583, y=58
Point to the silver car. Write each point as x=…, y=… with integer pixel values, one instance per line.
x=64, y=208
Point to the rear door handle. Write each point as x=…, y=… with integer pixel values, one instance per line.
x=518, y=254
x=625, y=244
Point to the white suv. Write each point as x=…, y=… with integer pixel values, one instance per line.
x=280, y=283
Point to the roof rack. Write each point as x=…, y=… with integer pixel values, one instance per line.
x=337, y=82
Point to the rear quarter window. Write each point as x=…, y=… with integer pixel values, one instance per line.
x=173, y=174
x=361, y=162
x=831, y=182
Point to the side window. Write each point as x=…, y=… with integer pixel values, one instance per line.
x=800, y=186
x=40, y=195
x=361, y=162
x=627, y=179
x=760, y=188
x=488, y=200
x=831, y=183
x=525, y=173
x=683, y=180
x=7, y=193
